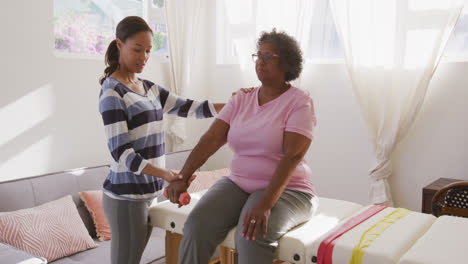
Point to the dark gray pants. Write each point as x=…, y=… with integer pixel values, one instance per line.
x=130, y=229
x=223, y=207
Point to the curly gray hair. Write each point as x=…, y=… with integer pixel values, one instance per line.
x=290, y=54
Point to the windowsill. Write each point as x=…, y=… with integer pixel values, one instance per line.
x=158, y=58
x=77, y=56
x=454, y=59
x=163, y=58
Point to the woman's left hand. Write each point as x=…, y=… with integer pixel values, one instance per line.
x=256, y=218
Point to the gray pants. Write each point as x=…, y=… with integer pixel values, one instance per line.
x=223, y=207
x=130, y=229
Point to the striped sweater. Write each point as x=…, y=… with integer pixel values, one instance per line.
x=134, y=131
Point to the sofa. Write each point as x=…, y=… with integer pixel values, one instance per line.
x=33, y=191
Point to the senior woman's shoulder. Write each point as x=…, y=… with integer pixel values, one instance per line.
x=301, y=94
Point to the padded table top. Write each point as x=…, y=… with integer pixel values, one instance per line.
x=446, y=241
x=388, y=247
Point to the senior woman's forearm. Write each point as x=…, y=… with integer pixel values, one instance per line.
x=208, y=144
x=199, y=155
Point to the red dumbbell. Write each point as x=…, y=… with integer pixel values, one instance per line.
x=184, y=198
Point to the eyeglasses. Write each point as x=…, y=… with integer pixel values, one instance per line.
x=266, y=58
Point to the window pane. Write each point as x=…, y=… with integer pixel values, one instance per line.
x=159, y=38
x=158, y=3
x=240, y=22
x=324, y=42
x=87, y=26
x=457, y=46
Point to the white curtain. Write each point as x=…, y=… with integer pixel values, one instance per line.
x=392, y=49
x=183, y=27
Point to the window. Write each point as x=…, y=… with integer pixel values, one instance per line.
x=88, y=26
x=240, y=22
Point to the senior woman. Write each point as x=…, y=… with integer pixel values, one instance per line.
x=269, y=190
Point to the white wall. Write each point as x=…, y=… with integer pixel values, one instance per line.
x=49, y=105
x=50, y=120
x=437, y=144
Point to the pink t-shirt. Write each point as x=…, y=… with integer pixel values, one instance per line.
x=256, y=137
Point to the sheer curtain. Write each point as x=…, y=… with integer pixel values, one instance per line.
x=183, y=27
x=392, y=49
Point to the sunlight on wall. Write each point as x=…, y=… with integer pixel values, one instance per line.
x=78, y=172
x=26, y=112
x=30, y=161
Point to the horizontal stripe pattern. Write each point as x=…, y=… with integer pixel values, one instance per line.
x=176, y=105
x=129, y=177
x=145, y=117
x=117, y=167
x=129, y=188
x=133, y=126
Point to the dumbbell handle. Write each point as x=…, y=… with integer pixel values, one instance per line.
x=184, y=197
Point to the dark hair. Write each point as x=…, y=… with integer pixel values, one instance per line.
x=126, y=28
x=290, y=54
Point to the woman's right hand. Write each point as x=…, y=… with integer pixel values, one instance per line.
x=244, y=90
x=170, y=176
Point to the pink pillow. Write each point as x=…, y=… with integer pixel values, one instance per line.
x=93, y=201
x=205, y=179
x=52, y=230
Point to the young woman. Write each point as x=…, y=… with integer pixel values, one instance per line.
x=132, y=110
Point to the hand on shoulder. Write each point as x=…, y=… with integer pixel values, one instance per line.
x=244, y=90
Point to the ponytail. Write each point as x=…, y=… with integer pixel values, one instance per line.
x=112, y=60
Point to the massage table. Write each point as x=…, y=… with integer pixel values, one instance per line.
x=341, y=230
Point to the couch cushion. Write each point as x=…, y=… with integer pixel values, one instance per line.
x=50, y=187
x=52, y=230
x=93, y=202
x=33, y=191
x=9, y=254
x=155, y=249
x=15, y=195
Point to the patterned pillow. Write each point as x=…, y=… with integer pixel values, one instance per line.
x=52, y=230
x=205, y=179
x=93, y=201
